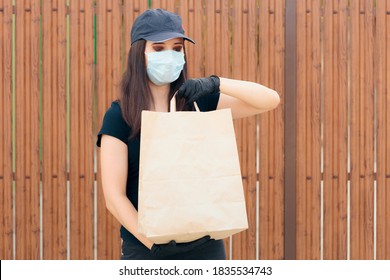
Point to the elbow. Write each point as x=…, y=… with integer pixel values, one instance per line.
x=110, y=206
x=274, y=100
x=277, y=99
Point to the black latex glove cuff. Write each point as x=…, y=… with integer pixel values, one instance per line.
x=216, y=81
x=194, y=89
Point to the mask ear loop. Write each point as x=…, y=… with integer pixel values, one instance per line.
x=196, y=107
x=172, y=104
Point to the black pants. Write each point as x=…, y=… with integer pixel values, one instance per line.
x=211, y=250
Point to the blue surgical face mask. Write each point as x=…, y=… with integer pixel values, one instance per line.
x=164, y=67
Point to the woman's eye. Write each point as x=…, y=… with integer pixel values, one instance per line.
x=158, y=49
x=178, y=49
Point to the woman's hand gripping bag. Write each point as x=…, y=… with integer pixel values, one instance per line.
x=190, y=182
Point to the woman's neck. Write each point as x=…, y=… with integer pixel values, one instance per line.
x=160, y=97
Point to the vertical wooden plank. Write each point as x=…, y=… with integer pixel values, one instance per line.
x=329, y=215
x=342, y=130
x=81, y=130
x=196, y=29
x=302, y=207
x=224, y=44
x=368, y=241
x=6, y=227
x=105, y=221
x=309, y=250
x=335, y=129
x=289, y=143
x=315, y=137
x=303, y=218
x=362, y=149
x=191, y=12
x=271, y=125
x=265, y=211
x=387, y=123
x=75, y=231
x=27, y=123
x=47, y=127
x=54, y=171
x=313, y=128
x=342, y=194
x=279, y=74
x=382, y=70
x=211, y=36
x=169, y=5
x=88, y=118
x=355, y=112
x=20, y=227
x=308, y=130
x=116, y=16
x=183, y=12
x=237, y=43
x=354, y=140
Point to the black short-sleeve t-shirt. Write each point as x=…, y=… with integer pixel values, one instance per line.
x=114, y=125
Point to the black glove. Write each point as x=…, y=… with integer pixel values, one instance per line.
x=173, y=248
x=193, y=89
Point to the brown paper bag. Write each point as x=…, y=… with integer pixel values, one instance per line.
x=190, y=183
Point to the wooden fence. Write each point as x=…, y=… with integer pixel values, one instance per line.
x=316, y=170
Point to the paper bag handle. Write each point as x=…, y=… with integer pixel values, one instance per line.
x=173, y=104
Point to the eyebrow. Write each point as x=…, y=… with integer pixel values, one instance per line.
x=162, y=43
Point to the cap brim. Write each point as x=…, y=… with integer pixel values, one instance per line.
x=165, y=36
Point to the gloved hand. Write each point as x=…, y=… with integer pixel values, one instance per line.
x=173, y=248
x=193, y=89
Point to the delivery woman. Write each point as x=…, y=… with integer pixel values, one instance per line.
x=156, y=70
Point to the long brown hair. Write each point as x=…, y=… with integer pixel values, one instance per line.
x=135, y=94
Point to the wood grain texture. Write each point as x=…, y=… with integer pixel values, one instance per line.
x=362, y=130
x=81, y=130
x=6, y=180
x=382, y=82
x=308, y=130
x=54, y=161
x=192, y=12
x=236, y=39
x=169, y=5
x=27, y=130
x=335, y=129
x=270, y=142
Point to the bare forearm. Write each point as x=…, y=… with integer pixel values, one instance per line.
x=124, y=211
x=254, y=94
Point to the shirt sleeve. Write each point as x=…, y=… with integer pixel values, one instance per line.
x=114, y=124
x=208, y=102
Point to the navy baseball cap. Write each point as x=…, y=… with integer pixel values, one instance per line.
x=158, y=25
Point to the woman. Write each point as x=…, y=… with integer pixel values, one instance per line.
x=156, y=69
